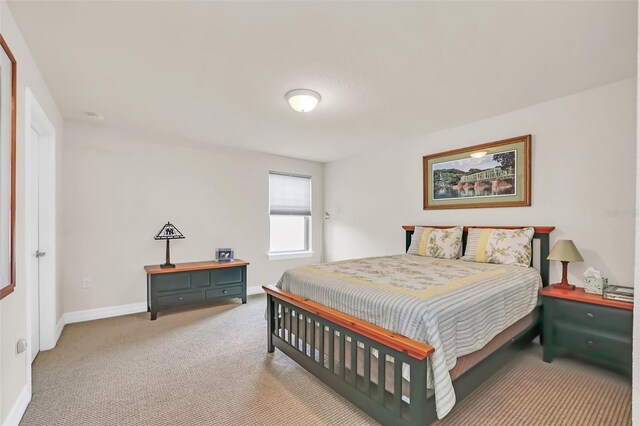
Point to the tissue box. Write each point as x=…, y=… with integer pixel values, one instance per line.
x=595, y=285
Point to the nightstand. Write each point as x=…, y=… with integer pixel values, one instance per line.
x=587, y=326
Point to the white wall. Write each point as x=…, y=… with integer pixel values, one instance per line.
x=583, y=170
x=122, y=186
x=13, y=307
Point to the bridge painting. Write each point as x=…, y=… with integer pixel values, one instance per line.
x=490, y=176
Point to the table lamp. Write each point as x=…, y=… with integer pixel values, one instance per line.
x=565, y=251
x=168, y=232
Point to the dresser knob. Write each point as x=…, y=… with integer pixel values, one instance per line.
x=224, y=291
x=590, y=342
x=590, y=315
x=180, y=298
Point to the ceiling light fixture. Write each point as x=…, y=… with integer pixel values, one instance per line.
x=478, y=154
x=302, y=100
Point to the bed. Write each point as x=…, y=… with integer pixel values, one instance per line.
x=340, y=321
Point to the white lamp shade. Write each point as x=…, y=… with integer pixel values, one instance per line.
x=303, y=100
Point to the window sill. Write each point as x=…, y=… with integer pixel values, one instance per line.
x=290, y=255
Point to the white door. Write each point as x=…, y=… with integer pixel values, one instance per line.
x=34, y=218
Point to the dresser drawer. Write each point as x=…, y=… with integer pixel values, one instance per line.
x=200, y=279
x=171, y=281
x=608, y=347
x=232, y=291
x=594, y=317
x=180, y=299
x=226, y=276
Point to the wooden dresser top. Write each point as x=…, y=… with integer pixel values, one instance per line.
x=194, y=266
x=579, y=295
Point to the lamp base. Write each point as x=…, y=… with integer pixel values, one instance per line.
x=564, y=286
x=167, y=263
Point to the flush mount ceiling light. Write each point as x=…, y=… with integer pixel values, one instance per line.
x=302, y=100
x=478, y=154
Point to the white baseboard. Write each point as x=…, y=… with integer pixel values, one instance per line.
x=18, y=409
x=58, y=331
x=108, y=312
x=46, y=344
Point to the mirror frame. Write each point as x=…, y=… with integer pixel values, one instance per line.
x=7, y=288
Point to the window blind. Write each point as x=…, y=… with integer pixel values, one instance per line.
x=289, y=194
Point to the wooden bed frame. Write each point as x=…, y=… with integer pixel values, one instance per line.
x=304, y=318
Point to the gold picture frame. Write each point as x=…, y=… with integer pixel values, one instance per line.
x=494, y=174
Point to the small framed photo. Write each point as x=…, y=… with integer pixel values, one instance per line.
x=224, y=254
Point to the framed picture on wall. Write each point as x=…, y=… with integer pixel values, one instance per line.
x=495, y=174
x=7, y=168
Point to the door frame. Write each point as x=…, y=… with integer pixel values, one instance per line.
x=36, y=118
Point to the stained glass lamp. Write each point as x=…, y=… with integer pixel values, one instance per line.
x=168, y=232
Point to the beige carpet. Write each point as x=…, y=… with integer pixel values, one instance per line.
x=209, y=366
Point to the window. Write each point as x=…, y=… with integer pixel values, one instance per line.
x=289, y=215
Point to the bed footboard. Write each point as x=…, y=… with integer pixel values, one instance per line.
x=328, y=343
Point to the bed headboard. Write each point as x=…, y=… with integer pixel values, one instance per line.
x=539, y=253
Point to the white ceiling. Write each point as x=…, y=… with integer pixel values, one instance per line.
x=387, y=71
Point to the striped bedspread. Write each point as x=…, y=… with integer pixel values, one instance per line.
x=455, y=306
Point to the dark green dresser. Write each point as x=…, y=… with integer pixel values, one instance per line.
x=194, y=283
x=587, y=326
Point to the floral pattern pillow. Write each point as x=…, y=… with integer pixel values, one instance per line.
x=501, y=246
x=438, y=243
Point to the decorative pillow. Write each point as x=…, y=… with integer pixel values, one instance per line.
x=503, y=246
x=415, y=240
x=433, y=242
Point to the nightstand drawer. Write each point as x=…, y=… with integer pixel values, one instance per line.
x=233, y=291
x=594, y=317
x=609, y=348
x=180, y=299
